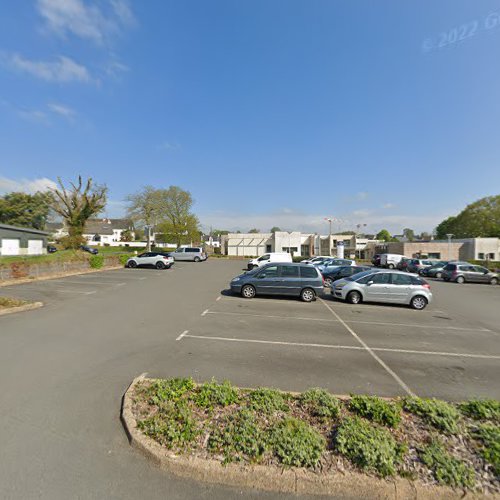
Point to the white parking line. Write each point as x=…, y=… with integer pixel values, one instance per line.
x=370, y=351
x=218, y=298
x=182, y=335
x=87, y=284
x=185, y=335
x=204, y=312
x=444, y=327
x=269, y=316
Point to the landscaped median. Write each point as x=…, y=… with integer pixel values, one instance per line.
x=11, y=305
x=314, y=442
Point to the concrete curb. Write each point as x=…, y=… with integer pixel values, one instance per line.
x=25, y=307
x=22, y=281
x=272, y=478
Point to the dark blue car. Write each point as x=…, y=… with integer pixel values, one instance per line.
x=297, y=280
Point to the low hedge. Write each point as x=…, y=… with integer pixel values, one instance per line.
x=450, y=444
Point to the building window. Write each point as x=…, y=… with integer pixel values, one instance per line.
x=434, y=255
x=268, y=249
x=304, y=250
x=288, y=249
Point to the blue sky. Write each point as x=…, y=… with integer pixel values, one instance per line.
x=271, y=112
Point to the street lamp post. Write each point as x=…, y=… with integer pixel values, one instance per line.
x=449, y=236
x=330, y=220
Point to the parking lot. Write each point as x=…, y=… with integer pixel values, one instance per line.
x=64, y=367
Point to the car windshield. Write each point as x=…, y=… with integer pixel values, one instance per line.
x=357, y=276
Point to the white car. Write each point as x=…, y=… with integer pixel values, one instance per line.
x=268, y=258
x=330, y=264
x=157, y=259
x=390, y=260
x=315, y=260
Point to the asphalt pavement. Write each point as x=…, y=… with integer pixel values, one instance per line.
x=65, y=367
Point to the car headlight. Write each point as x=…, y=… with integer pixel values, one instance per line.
x=235, y=279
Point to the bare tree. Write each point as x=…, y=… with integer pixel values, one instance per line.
x=76, y=205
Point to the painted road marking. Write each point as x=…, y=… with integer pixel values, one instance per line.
x=270, y=316
x=218, y=298
x=393, y=374
x=87, y=284
x=182, y=335
x=204, y=312
x=186, y=335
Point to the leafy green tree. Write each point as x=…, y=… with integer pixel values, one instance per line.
x=275, y=229
x=76, y=205
x=254, y=231
x=26, y=210
x=126, y=235
x=168, y=210
x=384, y=235
x=409, y=234
x=479, y=219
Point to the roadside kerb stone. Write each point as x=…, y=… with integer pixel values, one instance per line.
x=25, y=307
x=273, y=478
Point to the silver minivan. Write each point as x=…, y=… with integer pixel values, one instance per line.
x=194, y=254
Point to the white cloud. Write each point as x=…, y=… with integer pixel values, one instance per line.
x=362, y=195
x=361, y=213
x=61, y=110
x=169, y=146
x=25, y=185
x=86, y=20
x=388, y=205
x=62, y=70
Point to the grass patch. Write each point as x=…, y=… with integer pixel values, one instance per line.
x=320, y=403
x=439, y=414
x=297, y=443
x=376, y=409
x=267, y=401
x=369, y=447
x=9, y=302
x=173, y=426
x=212, y=394
x=489, y=435
x=481, y=409
x=239, y=438
x=446, y=469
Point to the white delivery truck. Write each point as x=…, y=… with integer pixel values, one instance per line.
x=390, y=260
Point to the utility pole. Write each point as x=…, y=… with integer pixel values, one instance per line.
x=147, y=228
x=449, y=236
x=330, y=220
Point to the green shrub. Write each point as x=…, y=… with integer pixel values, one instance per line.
x=169, y=390
x=320, y=403
x=369, y=447
x=267, y=401
x=482, y=409
x=296, y=443
x=376, y=409
x=173, y=425
x=439, y=414
x=212, y=394
x=96, y=261
x=123, y=258
x=240, y=438
x=489, y=435
x=446, y=468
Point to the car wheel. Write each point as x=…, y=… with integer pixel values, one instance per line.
x=160, y=265
x=197, y=259
x=439, y=275
x=307, y=295
x=391, y=266
x=328, y=282
x=248, y=292
x=418, y=302
x=460, y=280
x=132, y=264
x=354, y=297
x=494, y=281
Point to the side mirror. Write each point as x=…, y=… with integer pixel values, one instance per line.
x=262, y=275
x=370, y=283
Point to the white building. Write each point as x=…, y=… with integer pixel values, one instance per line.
x=295, y=242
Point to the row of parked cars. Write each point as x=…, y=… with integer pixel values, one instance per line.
x=453, y=270
x=276, y=274
x=165, y=260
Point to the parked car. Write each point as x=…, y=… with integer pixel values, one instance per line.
x=376, y=260
x=279, y=278
x=195, y=254
x=88, y=249
x=416, y=265
x=268, y=258
x=392, y=287
x=402, y=265
x=342, y=272
x=159, y=260
x=315, y=260
x=435, y=271
x=51, y=249
x=463, y=272
x=330, y=264
x=390, y=260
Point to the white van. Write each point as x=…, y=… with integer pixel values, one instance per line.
x=390, y=260
x=269, y=257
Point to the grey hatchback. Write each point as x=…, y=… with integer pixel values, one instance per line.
x=460, y=272
x=298, y=280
